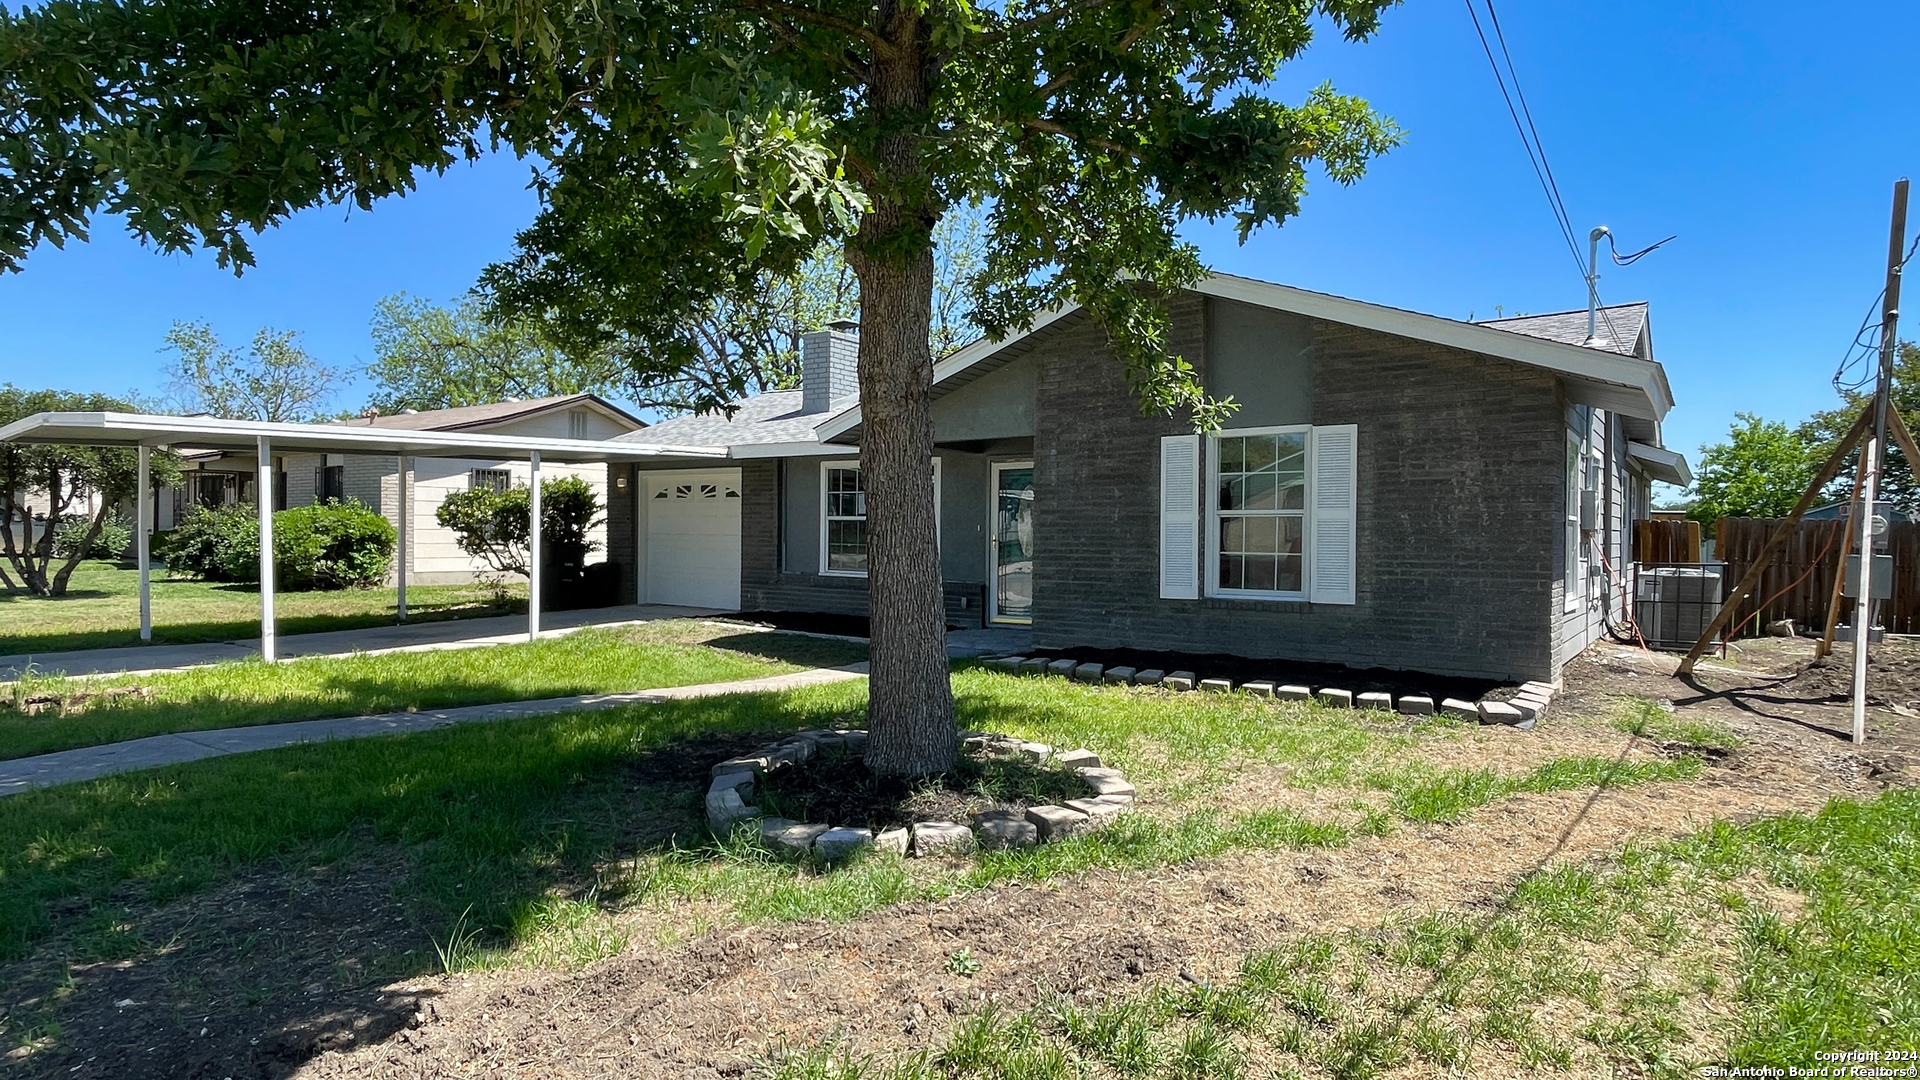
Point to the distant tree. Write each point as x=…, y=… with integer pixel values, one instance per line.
x=1760, y=471
x=1823, y=429
x=62, y=480
x=274, y=379
x=429, y=356
x=750, y=343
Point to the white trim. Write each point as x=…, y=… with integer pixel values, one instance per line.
x=787, y=449
x=854, y=462
x=211, y=433
x=1210, y=545
x=994, y=469
x=1572, y=576
x=1666, y=466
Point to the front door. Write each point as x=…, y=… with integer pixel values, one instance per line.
x=1011, y=533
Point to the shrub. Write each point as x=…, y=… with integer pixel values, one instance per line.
x=116, y=536
x=203, y=544
x=330, y=546
x=492, y=525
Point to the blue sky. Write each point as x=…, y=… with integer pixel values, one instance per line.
x=1765, y=135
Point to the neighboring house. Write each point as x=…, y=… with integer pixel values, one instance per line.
x=1396, y=490
x=434, y=557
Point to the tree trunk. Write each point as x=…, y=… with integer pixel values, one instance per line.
x=910, y=701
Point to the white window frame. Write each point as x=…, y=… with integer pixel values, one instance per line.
x=1573, y=574
x=1211, y=548
x=854, y=463
x=496, y=479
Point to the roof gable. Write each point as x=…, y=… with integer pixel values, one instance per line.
x=1622, y=382
x=481, y=417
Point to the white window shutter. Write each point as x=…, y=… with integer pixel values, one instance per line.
x=1180, y=517
x=1331, y=558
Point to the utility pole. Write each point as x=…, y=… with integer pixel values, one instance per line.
x=1876, y=455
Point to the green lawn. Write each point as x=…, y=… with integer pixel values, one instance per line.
x=244, y=692
x=102, y=610
x=525, y=842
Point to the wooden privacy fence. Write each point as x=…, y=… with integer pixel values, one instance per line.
x=1660, y=541
x=1739, y=540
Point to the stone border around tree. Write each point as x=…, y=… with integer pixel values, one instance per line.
x=734, y=781
x=1526, y=705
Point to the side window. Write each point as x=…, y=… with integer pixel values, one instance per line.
x=497, y=479
x=846, y=512
x=1258, y=509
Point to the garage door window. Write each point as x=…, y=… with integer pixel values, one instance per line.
x=698, y=491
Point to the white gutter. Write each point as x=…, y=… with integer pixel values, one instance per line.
x=1665, y=465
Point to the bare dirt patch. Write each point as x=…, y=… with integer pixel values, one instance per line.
x=249, y=980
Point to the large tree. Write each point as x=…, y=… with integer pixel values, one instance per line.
x=61, y=484
x=696, y=143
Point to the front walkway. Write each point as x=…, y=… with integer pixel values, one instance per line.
x=90, y=762
x=371, y=640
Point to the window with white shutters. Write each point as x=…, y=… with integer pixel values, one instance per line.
x=1278, y=510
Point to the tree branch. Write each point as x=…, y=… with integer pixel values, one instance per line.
x=1041, y=124
x=826, y=21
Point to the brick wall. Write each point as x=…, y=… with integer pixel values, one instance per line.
x=1460, y=461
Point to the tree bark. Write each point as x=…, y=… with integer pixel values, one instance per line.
x=910, y=700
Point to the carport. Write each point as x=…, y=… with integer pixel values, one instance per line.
x=146, y=432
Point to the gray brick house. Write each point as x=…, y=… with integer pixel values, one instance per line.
x=1396, y=490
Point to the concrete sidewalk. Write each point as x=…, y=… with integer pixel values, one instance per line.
x=372, y=640
x=90, y=762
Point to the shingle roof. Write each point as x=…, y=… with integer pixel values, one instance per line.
x=773, y=417
x=1619, y=327
x=469, y=416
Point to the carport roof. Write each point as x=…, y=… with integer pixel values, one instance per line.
x=212, y=433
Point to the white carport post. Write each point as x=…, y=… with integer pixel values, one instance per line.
x=403, y=500
x=533, y=552
x=263, y=498
x=143, y=521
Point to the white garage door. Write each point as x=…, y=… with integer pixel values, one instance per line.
x=693, y=538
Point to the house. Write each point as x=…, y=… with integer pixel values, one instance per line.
x=215, y=478
x=1397, y=490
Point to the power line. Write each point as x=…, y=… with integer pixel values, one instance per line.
x=1865, y=345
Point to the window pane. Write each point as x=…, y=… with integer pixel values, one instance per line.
x=1288, y=576
x=1290, y=453
x=1263, y=535
x=1291, y=529
x=1259, y=572
x=1261, y=493
x=1233, y=534
x=1230, y=576
x=1262, y=450
x=1232, y=495
x=1232, y=454
x=1293, y=493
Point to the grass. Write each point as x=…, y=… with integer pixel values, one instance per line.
x=247, y=692
x=102, y=610
x=1609, y=968
x=494, y=819
x=1650, y=720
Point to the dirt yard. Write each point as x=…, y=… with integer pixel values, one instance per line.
x=696, y=995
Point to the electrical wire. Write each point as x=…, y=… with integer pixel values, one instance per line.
x=1865, y=348
x=1529, y=132
x=1536, y=153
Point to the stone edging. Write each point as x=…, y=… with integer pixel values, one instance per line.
x=1109, y=795
x=1519, y=711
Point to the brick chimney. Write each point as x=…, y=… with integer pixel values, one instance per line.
x=830, y=367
